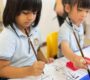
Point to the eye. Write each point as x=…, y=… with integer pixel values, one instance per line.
x=87, y=11
x=79, y=9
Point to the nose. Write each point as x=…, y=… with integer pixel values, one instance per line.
x=30, y=16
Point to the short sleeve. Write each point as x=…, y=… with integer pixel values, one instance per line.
x=7, y=44
x=63, y=35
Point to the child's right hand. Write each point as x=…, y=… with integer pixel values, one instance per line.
x=38, y=67
x=80, y=62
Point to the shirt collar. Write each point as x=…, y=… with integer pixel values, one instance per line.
x=19, y=33
x=75, y=27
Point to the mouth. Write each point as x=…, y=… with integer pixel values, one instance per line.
x=81, y=19
x=28, y=23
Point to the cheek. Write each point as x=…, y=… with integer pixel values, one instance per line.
x=19, y=21
x=34, y=17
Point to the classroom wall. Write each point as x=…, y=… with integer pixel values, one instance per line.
x=87, y=28
x=48, y=22
x=1, y=8
x=2, y=4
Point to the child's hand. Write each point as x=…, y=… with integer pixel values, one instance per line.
x=80, y=62
x=38, y=67
x=87, y=60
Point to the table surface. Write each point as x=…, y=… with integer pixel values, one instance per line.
x=58, y=70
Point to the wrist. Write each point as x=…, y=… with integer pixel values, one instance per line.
x=29, y=71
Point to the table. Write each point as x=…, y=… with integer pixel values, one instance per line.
x=58, y=70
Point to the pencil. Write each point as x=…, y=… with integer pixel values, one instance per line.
x=70, y=23
x=32, y=46
x=81, y=52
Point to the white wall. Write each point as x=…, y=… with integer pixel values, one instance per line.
x=1, y=9
x=48, y=22
x=88, y=26
x=2, y=4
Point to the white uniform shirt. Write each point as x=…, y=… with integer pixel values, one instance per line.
x=66, y=33
x=14, y=47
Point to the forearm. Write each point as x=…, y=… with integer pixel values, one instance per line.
x=14, y=72
x=67, y=52
x=3, y=63
x=59, y=8
x=60, y=1
x=58, y=4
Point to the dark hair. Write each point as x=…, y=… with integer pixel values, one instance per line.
x=13, y=8
x=84, y=4
x=80, y=3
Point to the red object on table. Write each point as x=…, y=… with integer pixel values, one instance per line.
x=71, y=66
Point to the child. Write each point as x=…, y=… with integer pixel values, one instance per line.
x=20, y=39
x=77, y=11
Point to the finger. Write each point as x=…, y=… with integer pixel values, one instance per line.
x=87, y=61
x=84, y=67
x=83, y=61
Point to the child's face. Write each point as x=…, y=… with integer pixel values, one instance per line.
x=77, y=15
x=25, y=19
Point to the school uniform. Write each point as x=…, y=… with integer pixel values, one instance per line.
x=14, y=46
x=66, y=34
